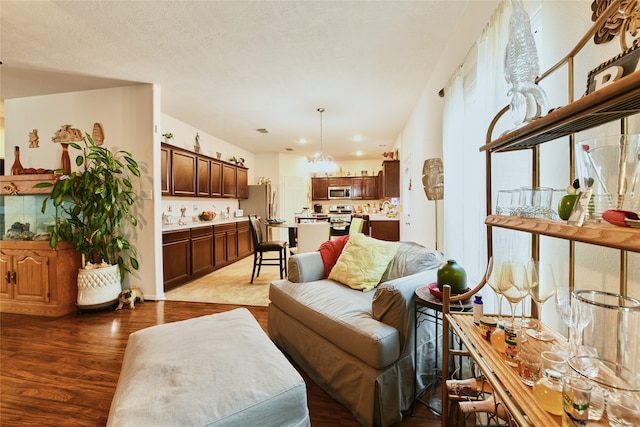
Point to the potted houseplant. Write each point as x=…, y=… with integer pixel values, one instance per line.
x=95, y=205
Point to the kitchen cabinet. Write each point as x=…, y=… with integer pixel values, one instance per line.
x=320, y=188
x=201, y=251
x=203, y=183
x=245, y=240
x=38, y=280
x=364, y=188
x=165, y=170
x=615, y=101
x=229, y=180
x=388, y=230
x=225, y=238
x=389, y=179
x=216, y=178
x=176, y=258
x=339, y=182
x=183, y=173
x=242, y=183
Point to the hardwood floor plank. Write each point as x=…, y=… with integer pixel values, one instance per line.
x=64, y=371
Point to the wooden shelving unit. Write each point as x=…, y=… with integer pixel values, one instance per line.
x=601, y=234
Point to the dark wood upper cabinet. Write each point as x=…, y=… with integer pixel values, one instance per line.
x=369, y=188
x=389, y=183
x=320, y=188
x=183, y=173
x=229, y=181
x=216, y=178
x=204, y=177
x=242, y=183
x=165, y=170
x=357, y=192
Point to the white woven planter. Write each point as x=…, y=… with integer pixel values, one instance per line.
x=98, y=287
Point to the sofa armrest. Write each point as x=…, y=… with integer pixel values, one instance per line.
x=393, y=302
x=305, y=267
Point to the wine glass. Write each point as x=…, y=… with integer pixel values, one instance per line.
x=542, y=286
x=576, y=320
x=492, y=274
x=513, y=283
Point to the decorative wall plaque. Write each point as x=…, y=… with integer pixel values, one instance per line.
x=614, y=69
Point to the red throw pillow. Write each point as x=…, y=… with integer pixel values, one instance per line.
x=330, y=252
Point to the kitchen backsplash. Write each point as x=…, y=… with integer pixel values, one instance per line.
x=194, y=207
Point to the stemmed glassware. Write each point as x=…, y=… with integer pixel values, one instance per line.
x=494, y=269
x=542, y=286
x=575, y=319
x=513, y=283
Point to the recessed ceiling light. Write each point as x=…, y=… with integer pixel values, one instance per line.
x=359, y=153
x=262, y=130
x=357, y=138
x=303, y=140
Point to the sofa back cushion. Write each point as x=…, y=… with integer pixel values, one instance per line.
x=411, y=258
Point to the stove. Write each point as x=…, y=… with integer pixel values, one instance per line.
x=340, y=213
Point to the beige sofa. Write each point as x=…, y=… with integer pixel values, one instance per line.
x=358, y=346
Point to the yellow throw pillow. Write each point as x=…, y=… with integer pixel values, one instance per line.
x=363, y=262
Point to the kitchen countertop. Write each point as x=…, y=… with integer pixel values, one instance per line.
x=382, y=217
x=218, y=221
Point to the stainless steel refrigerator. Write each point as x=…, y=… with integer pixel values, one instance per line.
x=260, y=202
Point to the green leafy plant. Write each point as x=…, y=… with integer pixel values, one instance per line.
x=95, y=202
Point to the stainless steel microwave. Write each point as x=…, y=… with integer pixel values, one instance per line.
x=340, y=192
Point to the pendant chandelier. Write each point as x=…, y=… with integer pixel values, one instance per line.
x=320, y=164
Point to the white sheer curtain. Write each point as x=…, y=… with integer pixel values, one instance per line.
x=473, y=96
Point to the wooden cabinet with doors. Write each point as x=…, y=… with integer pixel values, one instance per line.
x=229, y=180
x=201, y=251
x=216, y=178
x=176, y=258
x=245, y=240
x=38, y=280
x=389, y=179
x=320, y=188
x=225, y=241
x=614, y=102
x=165, y=170
x=203, y=183
x=183, y=173
x=242, y=183
x=364, y=188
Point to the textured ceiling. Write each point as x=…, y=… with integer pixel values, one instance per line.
x=231, y=67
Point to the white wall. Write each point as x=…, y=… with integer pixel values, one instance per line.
x=127, y=115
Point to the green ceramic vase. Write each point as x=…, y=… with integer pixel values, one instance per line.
x=452, y=274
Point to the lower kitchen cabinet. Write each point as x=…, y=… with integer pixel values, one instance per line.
x=225, y=237
x=385, y=230
x=201, y=251
x=38, y=280
x=191, y=253
x=245, y=240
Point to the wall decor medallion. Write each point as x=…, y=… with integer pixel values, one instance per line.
x=98, y=133
x=66, y=133
x=625, y=20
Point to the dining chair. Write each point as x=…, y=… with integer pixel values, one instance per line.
x=356, y=225
x=262, y=246
x=311, y=236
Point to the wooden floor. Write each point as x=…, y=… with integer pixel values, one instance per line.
x=63, y=371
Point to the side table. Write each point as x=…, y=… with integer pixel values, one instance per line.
x=429, y=308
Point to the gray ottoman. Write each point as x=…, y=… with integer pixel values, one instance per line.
x=217, y=370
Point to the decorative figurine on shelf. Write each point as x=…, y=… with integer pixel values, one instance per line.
x=34, y=140
x=521, y=68
x=196, y=147
x=64, y=136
